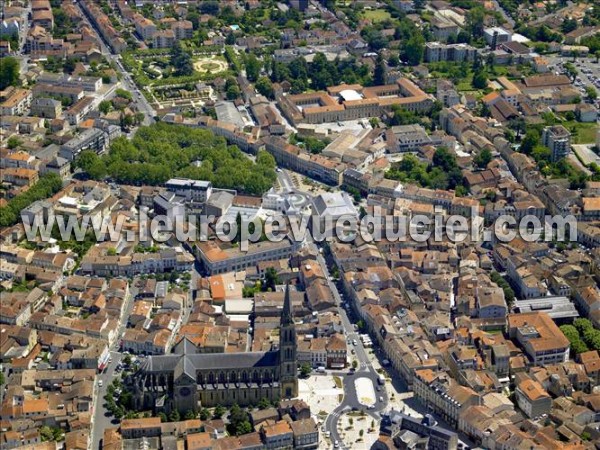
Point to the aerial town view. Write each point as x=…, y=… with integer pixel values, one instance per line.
x=299, y=224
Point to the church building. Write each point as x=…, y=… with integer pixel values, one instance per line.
x=187, y=380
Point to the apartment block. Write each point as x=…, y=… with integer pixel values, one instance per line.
x=436, y=51
x=558, y=139
x=76, y=113
x=541, y=339
x=90, y=139
x=16, y=101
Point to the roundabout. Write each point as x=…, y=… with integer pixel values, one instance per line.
x=210, y=64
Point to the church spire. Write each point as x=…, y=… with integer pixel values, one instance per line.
x=286, y=315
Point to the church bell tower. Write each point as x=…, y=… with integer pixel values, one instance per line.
x=288, y=362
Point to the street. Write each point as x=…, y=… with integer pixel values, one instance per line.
x=364, y=369
x=100, y=419
x=285, y=181
x=126, y=81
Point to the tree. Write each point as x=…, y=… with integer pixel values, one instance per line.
x=105, y=106
x=209, y=7
x=374, y=38
x=218, y=412
x=124, y=94
x=413, y=49
x=46, y=186
x=69, y=65
x=591, y=93
x=46, y=433
x=264, y=403
x=2, y=379
x=568, y=25
x=483, y=158
x=354, y=364
x=239, y=422
x=475, y=21
x=444, y=159
x=181, y=60
x=361, y=433
x=190, y=415
x=90, y=162
x=571, y=70
x=531, y=139
x=265, y=87
x=480, y=79
x=517, y=125
x=402, y=116
x=160, y=151
x=252, y=67
x=305, y=370
x=577, y=344
x=271, y=279
x=163, y=417
x=379, y=74
x=174, y=416
x=13, y=142
x=233, y=92
x=9, y=72
x=204, y=414
x=541, y=153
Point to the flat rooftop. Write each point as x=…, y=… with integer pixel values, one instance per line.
x=556, y=307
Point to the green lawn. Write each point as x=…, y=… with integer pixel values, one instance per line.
x=499, y=71
x=377, y=15
x=582, y=133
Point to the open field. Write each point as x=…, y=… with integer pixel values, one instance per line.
x=582, y=133
x=377, y=15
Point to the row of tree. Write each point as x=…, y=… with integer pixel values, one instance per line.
x=46, y=186
x=162, y=151
x=582, y=335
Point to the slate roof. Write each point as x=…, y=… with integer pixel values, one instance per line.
x=191, y=363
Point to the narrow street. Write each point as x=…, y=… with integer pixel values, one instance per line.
x=100, y=420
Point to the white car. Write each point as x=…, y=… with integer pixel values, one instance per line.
x=336, y=444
